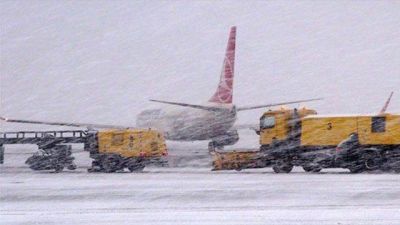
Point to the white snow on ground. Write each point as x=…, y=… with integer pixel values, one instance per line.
x=198, y=196
x=189, y=193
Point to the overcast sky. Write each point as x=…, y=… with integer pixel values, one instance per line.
x=100, y=61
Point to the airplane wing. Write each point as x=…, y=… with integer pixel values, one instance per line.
x=247, y=126
x=208, y=108
x=211, y=108
x=88, y=125
x=275, y=104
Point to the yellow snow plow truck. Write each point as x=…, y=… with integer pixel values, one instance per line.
x=291, y=137
x=114, y=150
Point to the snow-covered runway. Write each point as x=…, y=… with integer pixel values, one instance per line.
x=101, y=61
x=195, y=195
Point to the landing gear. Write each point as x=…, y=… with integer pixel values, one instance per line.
x=212, y=146
x=229, y=138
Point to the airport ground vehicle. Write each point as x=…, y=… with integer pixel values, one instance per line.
x=55, y=158
x=111, y=150
x=114, y=150
x=291, y=137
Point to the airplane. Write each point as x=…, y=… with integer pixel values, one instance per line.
x=212, y=121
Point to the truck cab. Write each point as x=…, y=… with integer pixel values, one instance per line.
x=282, y=125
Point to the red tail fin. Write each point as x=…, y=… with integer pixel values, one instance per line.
x=224, y=92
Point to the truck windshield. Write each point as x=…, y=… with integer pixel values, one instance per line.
x=267, y=122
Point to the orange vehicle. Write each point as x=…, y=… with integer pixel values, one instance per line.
x=300, y=137
x=114, y=150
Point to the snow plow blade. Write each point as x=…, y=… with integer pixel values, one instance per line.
x=238, y=160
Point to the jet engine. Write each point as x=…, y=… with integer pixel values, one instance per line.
x=229, y=138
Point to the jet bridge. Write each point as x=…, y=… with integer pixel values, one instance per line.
x=54, y=146
x=42, y=137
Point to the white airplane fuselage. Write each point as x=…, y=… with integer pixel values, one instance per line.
x=189, y=124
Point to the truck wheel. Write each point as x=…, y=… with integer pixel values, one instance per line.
x=282, y=168
x=356, y=168
x=71, y=166
x=372, y=161
x=238, y=168
x=276, y=169
x=96, y=166
x=314, y=169
x=135, y=165
x=58, y=168
x=111, y=163
x=136, y=168
x=395, y=167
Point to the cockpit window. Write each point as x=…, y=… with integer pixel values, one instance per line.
x=267, y=122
